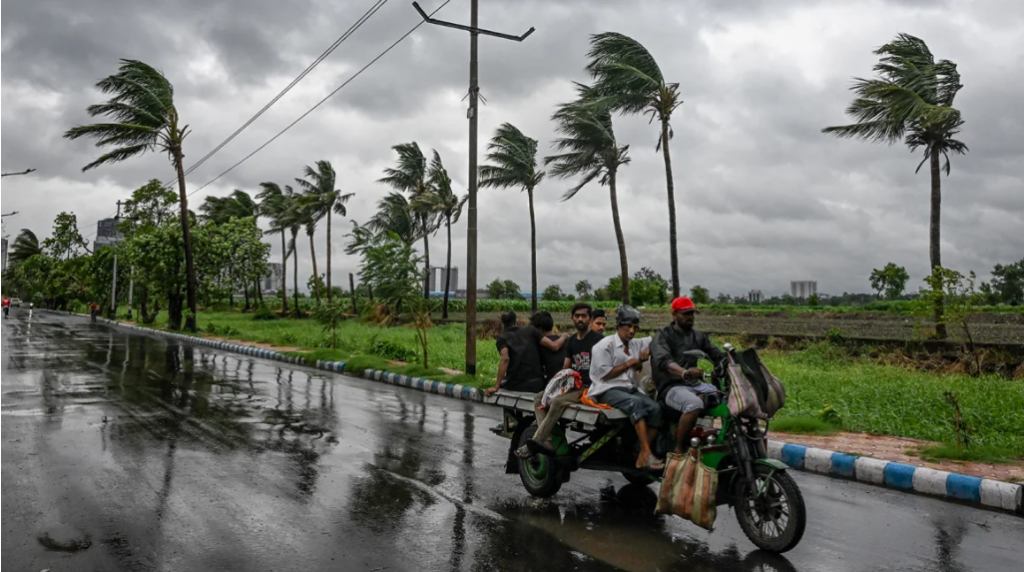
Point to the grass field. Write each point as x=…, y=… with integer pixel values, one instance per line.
x=864, y=396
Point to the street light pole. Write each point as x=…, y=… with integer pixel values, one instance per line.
x=474, y=94
x=25, y=172
x=113, y=282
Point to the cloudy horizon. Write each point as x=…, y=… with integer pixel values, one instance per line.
x=763, y=197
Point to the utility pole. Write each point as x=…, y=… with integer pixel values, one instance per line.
x=474, y=95
x=113, y=282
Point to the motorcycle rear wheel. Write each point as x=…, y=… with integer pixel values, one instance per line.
x=539, y=474
x=775, y=521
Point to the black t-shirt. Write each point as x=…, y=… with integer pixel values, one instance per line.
x=552, y=361
x=525, y=372
x=579, y=353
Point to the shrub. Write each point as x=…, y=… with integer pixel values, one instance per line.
x=264, y=313
x=390, y=350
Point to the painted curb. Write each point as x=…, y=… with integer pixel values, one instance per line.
x=953, y=486
x=890, y=474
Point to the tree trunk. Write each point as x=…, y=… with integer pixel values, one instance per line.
x=426, y=258
x=316, y=275
x=284, y=273
x=447, y=271
x=190, y=269
x=259, y=291
x=328, y=257
x=612, y=191
x=934, y=235
x=352, y=289
x=533, y=252
x=245, y=291
x=671, y=189
x=295, y=283
x=174, y=310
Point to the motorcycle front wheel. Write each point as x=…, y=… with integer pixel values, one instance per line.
x=775, y=519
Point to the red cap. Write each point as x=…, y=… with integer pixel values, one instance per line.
x=683, y=303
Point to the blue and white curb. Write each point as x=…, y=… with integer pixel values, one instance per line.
x=890, y=474
x=900, y=476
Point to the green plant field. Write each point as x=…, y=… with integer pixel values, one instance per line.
x=865, y=396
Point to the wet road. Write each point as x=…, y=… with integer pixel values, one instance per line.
x=130, y=452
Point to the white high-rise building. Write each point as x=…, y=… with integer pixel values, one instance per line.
x=803, y=289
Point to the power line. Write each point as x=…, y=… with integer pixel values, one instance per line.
x=378, y=4
x=321, y=102
x=341, y=39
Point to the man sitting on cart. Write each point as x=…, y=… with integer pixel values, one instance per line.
x=679, y=380
x=615, y=365
x=520, y=367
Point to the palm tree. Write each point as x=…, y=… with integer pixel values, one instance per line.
x=239, y=204
x=911, y=100
x=324, y=200
x=291, y=218
x=589, y=149
x=514, y=158
x=443, y=203
x=25, y=246
x=274, y=205
x=394, y=214
x=309, y=213
x=627, y=79
x=410, y=176
x=144, y=119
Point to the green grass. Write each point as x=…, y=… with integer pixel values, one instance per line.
x=864, y=396
x=975, y=454
x=804, y=425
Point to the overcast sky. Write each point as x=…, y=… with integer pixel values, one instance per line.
x=763, y=197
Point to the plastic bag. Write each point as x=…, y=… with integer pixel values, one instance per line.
x=689, y=489
x=563, y=382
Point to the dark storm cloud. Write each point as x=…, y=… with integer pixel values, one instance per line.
x=763, y=196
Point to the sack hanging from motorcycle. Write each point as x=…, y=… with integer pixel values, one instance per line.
x=760, y=394
x=689, y=489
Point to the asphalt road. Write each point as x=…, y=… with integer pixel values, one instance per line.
x=131, y=452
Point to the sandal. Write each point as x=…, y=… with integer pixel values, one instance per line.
x=538, y=448
x=524, y=452
x=654, y=464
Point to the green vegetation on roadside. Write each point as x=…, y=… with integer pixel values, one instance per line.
x=827, y=389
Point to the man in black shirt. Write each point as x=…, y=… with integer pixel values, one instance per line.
x=553, y=361
x=677, y=376
x=520, y=368
x=577, y=357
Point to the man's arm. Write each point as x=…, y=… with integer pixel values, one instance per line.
x=553, y=345
x=661, y=356
x=620, y=369
x=502, y=368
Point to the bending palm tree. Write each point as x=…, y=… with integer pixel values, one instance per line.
x=239, y=204
x=591, y=151
x=627, y=79
x=25, y=246
x=410, y=176
x=144, y=119
x=515, y=165
x=309, y=213
x=911, y=100
x=324, y=200
x=292, y=218
x=394, y=214
x=441, y=202
x=274, y=205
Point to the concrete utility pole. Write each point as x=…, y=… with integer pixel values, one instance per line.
x=474, y=95
x=113, y=282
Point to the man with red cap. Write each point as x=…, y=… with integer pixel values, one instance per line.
x=676, y=375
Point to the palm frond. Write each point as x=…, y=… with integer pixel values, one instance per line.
x=117, y=155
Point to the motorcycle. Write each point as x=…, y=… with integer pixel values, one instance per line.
x=769, y=505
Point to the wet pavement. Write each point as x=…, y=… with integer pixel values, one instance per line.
x=129, y=452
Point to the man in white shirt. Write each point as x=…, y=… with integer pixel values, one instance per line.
x=615, y=365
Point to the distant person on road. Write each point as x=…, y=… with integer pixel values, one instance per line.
x=679, y=380
x=7, y=306
x=94, y=310
x=615, y=366
x=520, y=368
x=577, y=357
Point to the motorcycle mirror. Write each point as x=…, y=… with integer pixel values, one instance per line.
x=696, y=354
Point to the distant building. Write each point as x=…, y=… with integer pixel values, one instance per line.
x=107, y=234
x=803, y=289
x=755, y=297
x=272, y=279
x=438, y=280
x=5, y=254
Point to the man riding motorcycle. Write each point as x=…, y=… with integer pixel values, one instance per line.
x=677, y=376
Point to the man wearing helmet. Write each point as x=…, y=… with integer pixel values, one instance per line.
x=615, y=365
x=680, y=382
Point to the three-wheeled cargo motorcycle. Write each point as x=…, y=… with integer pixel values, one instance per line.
x=768, y=502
